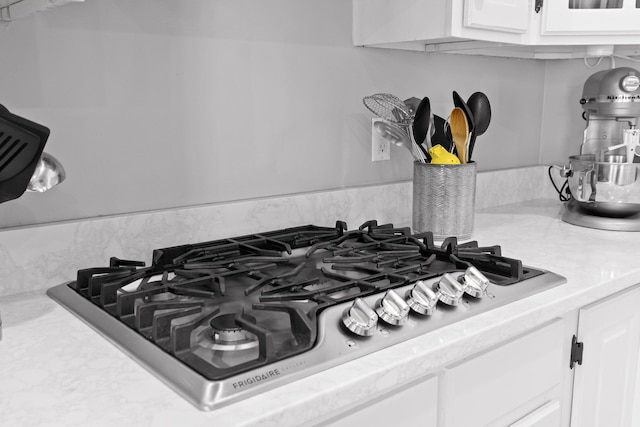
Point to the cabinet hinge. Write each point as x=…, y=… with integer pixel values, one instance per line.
x=576, y=352
x=538, y=6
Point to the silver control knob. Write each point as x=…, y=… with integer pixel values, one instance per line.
x=475, y=283
x=449, y=290
x=422, y=299
x=360, y=318
x=393, y=309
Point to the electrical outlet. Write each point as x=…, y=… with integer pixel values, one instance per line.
x=380, y=146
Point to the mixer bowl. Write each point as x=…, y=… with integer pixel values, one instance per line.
x=607, y=188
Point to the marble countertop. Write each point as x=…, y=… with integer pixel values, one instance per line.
x=55, y=370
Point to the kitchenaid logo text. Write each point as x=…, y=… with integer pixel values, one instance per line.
x=256, y=379
x=623, y=97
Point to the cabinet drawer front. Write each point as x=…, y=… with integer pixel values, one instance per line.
x=498, y=382
x=415, y=405
x=547, y=415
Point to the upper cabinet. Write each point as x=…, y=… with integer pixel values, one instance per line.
x=10, y=10
x=591, y=18
x=515, y=28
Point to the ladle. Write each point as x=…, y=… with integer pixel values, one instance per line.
x=421, y=123
x=481, y=109
x=459, y=132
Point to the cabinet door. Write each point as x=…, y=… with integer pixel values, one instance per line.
x=415, y=405
x=591, y=17
x=605, y=383
x=503, y=385
x=510, y=16
x=548, y=415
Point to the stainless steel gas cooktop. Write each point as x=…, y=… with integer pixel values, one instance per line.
x=223, y=320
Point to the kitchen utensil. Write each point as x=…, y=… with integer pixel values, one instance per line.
x=422, y=154
x=481, y=110
x=440, y=156
x=460, y=132
x=459, y=102
x=399, y=137
x=388, y=107
x=48, y=173
x=412, y=104
x=419, y=149
x=21, y=145
x=421, y=122
x=440, y=134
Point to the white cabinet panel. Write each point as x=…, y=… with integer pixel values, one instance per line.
x=547, y=415
x=14, y=9
x=610, y=17
x=499, y=15
x=605, y=383
x=511, y=28
x=502, y=381
x=415, y=405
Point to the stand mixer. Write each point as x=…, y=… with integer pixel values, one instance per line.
x=603, y=178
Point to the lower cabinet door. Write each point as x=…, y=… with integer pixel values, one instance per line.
x=415, y=405
x=505, y=384
x=548, y=415
x=605, y=385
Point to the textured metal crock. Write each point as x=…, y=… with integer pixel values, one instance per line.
x=444, y=199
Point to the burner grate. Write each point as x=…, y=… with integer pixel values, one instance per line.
x=273, y=285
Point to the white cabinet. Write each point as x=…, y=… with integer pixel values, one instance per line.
x=606, y=384
x=512, y=383
x=548, y=415
x=520, y=383
x=518, y=28
x=414, y=24
x=413, y=405
x=608, y=17
x=10, y=10
x=511, y=16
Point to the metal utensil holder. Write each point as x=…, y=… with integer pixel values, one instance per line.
x=444, y=199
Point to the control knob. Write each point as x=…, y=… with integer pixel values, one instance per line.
x=422, y=299
x=393, y=309
x=360, y=318
x=449, y=290
x=475, y=283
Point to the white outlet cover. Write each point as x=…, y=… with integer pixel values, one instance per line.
x=380, y=146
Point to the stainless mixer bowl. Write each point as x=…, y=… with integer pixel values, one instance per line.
x=607, y=188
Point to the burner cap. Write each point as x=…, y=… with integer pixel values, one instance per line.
x=226, y=330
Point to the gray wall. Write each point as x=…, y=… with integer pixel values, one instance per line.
x=155, y=104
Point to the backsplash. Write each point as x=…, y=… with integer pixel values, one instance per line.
x=42, y=256
x=163, y=103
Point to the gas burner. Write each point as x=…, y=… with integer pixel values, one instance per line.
x=227, y=334
x=165, y=296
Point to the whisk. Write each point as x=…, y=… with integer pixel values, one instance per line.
x=389, y=107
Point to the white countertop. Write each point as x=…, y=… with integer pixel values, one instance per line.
x=55, y=370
